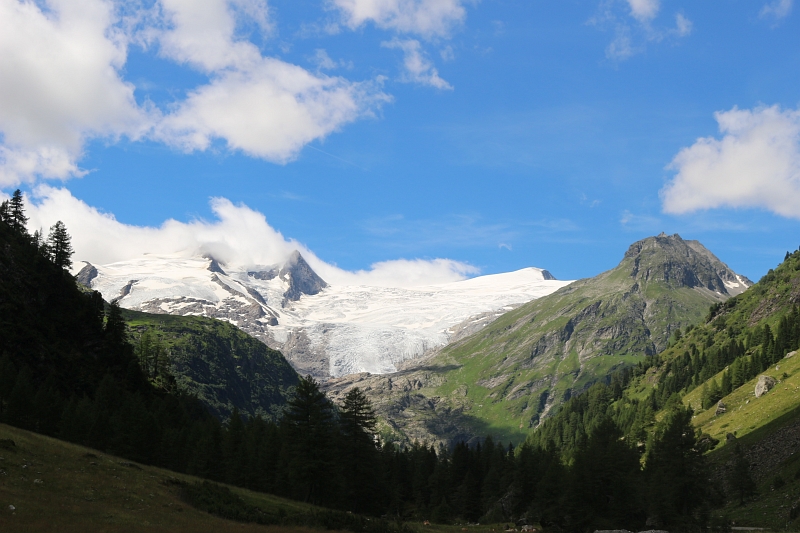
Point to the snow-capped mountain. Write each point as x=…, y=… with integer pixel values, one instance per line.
x=322, y=330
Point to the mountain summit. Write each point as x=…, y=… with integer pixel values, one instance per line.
x=298, y=275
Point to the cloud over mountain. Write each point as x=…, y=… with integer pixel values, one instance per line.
x=238, y=236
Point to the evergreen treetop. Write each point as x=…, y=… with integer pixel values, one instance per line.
x=59, y=245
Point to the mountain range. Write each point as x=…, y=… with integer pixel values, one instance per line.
x=323, y=330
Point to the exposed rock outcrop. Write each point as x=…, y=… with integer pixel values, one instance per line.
x=86, y=275
x=764, y=385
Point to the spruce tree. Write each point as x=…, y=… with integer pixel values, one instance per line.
x=309, y=444
x=739, y=477
x=5, y=212
x=16, y=213
x=675, y=470
x=59, y=245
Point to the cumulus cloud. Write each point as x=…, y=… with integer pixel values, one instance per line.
x=262, y=106
x=429, y=18
x=756, y=163
x=777, y=9
x=270, y=111
x=417, y=67
x=239, y=236
x=62, y=83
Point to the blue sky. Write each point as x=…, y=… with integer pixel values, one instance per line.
x=496, y=134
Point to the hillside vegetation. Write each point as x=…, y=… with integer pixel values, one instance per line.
x=213, y=361
x=506, y=378
x=713, y=369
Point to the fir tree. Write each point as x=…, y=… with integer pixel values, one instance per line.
x=309, y=443
x=59, y=245
x=675, y=470
x=16, y=213
x=739, y=477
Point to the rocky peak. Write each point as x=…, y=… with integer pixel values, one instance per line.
x=301, y=278
x=674, y=262
x=214, y=266
x=86, y=275
x=298, y=274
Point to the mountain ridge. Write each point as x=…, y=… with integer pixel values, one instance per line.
x=510, y=374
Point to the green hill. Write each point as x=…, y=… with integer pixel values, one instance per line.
x=50, y=485
x=213, y=360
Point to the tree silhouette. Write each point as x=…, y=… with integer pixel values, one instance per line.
x=16, y=212
x=59, y=245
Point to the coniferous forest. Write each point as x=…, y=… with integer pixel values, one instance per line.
x=69, y=370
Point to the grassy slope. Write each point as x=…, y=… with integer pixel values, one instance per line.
x=767, y=428
x=746, y=413
x=223, y=366
x=495, y=379
x=86, y=490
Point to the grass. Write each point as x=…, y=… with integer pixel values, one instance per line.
x=746, y=413
x=771, y=505
x=81, y=490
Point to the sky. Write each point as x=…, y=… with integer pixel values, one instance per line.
x=400, y=142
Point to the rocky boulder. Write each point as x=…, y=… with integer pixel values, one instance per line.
x=765, y=383
x=721, y=408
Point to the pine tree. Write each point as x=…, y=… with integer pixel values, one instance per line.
x=309, y=445
x=5, y=212
x=727, y=386
x=675, y=470
x=739, y=477
x=16, y=213
x=59, y=245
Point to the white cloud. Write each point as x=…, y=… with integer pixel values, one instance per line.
x=418, y=69
x=756, y=163
x=239, y=236
x=60, y=84
x=323, y=60
x=428, y=18
x=262, y=106
x=634, y=24
x=644, y=10
x=683, y=26
x=777, y=9
x=270, y=111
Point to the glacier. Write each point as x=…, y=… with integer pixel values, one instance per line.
x=323, y=330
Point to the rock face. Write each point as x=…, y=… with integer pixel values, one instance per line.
x=721, y=408
x=764, y=385
x=86, y=275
